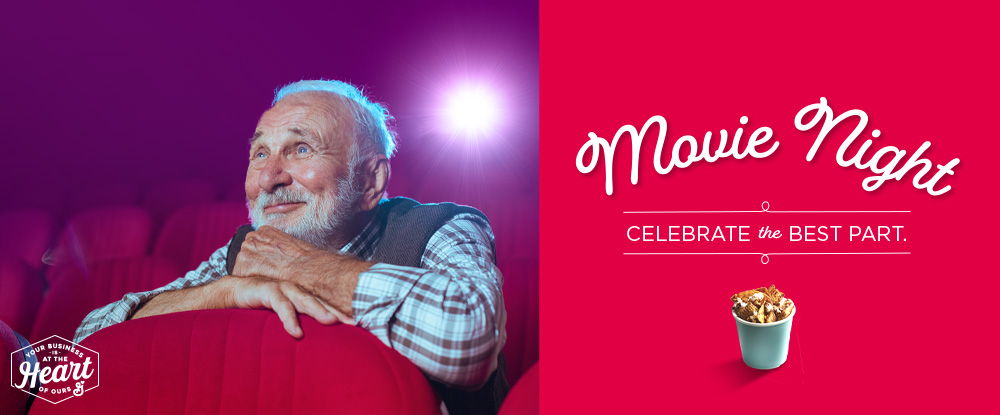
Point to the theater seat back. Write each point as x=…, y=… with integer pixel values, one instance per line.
x=193, y=233
x=78, y=292
x=21, y=290
x=105, y=233
x=243, y=362
x=520, y=295
x=523, y=397
x=163, y=199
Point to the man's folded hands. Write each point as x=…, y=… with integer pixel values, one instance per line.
x=288, y=275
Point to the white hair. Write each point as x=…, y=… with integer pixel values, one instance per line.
x=371, y=118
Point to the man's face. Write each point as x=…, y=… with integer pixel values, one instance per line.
x=299, y=179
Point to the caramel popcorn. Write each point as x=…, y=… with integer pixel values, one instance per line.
x=762, y=305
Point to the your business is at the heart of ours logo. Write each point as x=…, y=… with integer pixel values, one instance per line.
x=54, y=369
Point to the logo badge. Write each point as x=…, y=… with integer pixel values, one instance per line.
x=54, y=369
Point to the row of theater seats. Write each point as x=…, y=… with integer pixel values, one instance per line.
x=100, y=254
x=63, y=200
x=54, y=231
x=240, y=362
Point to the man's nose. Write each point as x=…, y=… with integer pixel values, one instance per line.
x=274, y=175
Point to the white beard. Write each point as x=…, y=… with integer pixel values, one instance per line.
x=324, y=220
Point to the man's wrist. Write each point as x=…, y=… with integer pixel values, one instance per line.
x=334, y=277
x=215, y=295
x=218, y=294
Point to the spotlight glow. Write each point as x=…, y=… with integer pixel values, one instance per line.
x=472, y=111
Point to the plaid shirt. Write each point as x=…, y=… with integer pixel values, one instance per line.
x=447, y=318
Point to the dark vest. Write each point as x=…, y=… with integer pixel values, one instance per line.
x=407, y=227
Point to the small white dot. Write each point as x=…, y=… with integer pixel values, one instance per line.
x=744, y=119
x=876, y=133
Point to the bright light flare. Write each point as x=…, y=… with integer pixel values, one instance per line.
x=472, y=111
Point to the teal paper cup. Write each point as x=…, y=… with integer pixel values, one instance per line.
x=764, y=346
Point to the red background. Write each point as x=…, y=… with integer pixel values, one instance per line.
x=627, y=334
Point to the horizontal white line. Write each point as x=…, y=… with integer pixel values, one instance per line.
x=838, y=211
x=695, y=211
x=766, y=253
x=839, y=253
x=768, y=211
x=693, y=253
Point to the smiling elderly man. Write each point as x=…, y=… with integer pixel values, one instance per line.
x=325, y=243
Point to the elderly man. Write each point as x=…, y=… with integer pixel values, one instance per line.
x=326, y=243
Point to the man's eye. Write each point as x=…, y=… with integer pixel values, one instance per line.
x=259, y=155
x=302, y=150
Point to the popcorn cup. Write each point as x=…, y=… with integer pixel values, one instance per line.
x=764, y=345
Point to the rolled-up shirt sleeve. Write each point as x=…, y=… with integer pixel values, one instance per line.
x=119, y=311
x=447, y=318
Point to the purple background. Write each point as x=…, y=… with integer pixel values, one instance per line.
x=133, y=92
x=129, y=95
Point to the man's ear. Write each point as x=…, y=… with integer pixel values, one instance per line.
x=376, y=179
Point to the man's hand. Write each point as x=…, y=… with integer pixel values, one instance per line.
x=269, y=252
x=286, y=298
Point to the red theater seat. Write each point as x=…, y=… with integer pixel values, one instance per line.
x=166, y=198
x=77, y=293
x=520, y=294
x=12, y=401
x=514, y=220
x=243, y=362
x=105, y=233
x=523, y=397
x=193, y=233
x=26, y=235
x=21, y=291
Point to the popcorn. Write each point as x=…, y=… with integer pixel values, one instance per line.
x=762, y=305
